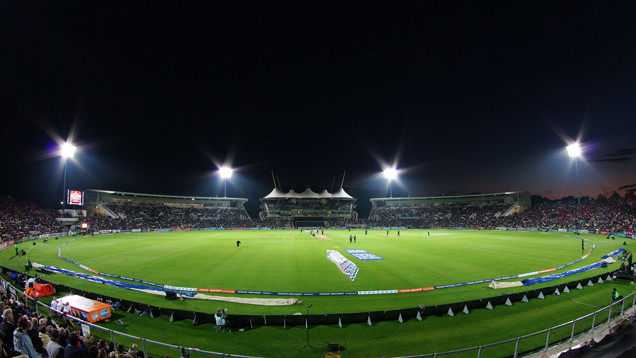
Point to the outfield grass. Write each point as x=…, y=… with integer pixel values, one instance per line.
x=390, y=338
x=290, y=261
x=294, y=261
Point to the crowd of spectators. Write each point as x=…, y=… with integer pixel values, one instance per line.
x=158, y=216
x=615, y=214
x=18, y=220
x=444, y=216
x=25, y=333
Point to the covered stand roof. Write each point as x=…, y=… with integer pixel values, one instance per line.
x=308, y=194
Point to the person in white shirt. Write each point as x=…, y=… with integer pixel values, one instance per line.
x=221, y=318
x=55, y=305
x=67, y=309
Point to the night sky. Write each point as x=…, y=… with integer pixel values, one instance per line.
x=464, y=97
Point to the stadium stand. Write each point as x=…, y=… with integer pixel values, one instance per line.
x=149, y=212
x=477, y=210
x=109, y=210
x=614, y=215
x=19, y=220
x=611, y=215
x=307, y=209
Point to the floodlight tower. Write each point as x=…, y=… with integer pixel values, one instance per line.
x=225, y=173
x=574, y=151
x=390, y=174
x=67, y=151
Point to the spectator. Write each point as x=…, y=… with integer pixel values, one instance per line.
x=6, y=329
x=21, y=341
x=121, y=349
x=92, y=351
x=135, y=349
x=34, y=334
x=54, y=348
x=3, y=351
x=44, y=337
x=72, y=350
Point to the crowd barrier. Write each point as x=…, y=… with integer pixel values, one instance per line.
x=522, y=345
x=336, y=318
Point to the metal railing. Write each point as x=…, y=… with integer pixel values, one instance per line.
x=37, y=305
x=526, y=344
x=553, y=335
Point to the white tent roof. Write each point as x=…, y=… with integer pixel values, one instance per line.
x=325, y=194
x=275, y=194
x=307, y=194
x=341, y=194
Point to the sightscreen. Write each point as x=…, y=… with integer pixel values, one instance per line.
x=310, y=223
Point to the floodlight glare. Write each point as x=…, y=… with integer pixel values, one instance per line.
x=390, y=173
x=574, y=150
x=225, y=172
x=67, y=150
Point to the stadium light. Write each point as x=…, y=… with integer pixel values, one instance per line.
x=67, y=150
x=390, y=174
x=574, y=151
x=225, y=173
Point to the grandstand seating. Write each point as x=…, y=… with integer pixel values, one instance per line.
x=156, y=216
x=18, y=220
x=612, y=215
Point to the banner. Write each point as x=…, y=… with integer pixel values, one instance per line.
x=363, y=255
x=346, y=267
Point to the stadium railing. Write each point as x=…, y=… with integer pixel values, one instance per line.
x=563, y=333
x=604, y=318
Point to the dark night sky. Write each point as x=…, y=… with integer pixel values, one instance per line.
x=464, y=96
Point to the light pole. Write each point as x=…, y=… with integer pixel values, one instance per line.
x=390, y=174
x=67, y=150
x=574, y=151
x=225, y=173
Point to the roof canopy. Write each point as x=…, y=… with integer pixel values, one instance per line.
x=308, y=194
